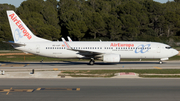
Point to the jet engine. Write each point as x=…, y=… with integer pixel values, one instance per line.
x=111, y=58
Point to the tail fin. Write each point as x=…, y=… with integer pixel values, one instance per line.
x=20, y=31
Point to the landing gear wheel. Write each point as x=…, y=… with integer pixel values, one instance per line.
x=160, y=62
x=41, y=61
x=91, y=62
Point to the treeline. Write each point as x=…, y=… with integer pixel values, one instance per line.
x=123, y=20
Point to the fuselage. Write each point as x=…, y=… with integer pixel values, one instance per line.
x=126, y=49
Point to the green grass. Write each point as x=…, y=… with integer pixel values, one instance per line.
x=10, y=51
x=175, y=58
x=139, y=71
x=91, y=76
x=110, y=73
x=31, y=58
x=160, y=76
x=177, y=48
x=39, y=58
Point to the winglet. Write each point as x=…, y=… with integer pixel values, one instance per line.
x=69, y=39
x=66, y=44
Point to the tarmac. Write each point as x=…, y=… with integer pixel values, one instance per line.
x=53, y=69
x=26, y=74
x=83, y=65
x=92, y=89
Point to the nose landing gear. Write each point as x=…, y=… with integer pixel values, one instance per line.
x=160, y=62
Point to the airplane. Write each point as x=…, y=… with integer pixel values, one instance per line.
x=107, y=51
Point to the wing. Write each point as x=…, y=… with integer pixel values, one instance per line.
x=86, y=53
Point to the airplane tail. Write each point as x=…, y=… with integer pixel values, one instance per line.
x=20, y=32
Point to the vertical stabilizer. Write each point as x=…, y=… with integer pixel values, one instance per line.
x=20, y=32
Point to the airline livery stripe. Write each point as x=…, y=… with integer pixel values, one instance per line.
x=66, y=45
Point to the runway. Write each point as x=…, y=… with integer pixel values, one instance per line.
x=84, y=65
x=91, y=89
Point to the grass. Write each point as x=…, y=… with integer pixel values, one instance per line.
x=91, y=76
x=139, y=71
x=22, y=58
x=30, y=58
x=110, y=73
x=160, y=76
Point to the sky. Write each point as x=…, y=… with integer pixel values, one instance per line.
x=17, y=3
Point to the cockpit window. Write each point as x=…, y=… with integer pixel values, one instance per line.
x=168, y=47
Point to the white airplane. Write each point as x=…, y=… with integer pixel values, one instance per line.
x=111, y=51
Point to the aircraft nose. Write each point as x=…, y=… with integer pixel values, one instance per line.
x=175, y=52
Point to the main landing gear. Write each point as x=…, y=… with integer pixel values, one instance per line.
x=160, y=62
x=91, y=62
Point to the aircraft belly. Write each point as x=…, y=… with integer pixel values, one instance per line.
x=147, y=55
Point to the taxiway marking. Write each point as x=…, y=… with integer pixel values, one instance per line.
x=157, y=67
x=38, y=89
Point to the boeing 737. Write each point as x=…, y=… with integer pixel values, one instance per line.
x=110, y=51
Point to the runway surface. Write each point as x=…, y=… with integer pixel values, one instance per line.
x=90, y=89
x=84, y=65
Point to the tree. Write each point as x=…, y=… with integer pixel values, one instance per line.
x=114, y=27
x=41, y=17
x=178, y=1
x=5, y=32
x=77, y=29
x=96, y=25
x=130, y=26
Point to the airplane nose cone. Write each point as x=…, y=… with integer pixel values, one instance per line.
x=175, y=52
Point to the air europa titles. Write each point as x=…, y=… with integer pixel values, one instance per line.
x=121, y=45
x=20, y=26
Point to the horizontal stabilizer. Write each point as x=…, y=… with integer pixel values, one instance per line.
x=15, y=44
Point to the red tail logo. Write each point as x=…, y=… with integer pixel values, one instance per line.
x=20, y=26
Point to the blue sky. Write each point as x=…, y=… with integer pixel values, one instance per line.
x=17, y=3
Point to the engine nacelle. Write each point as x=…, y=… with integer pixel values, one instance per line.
x=111, y=58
